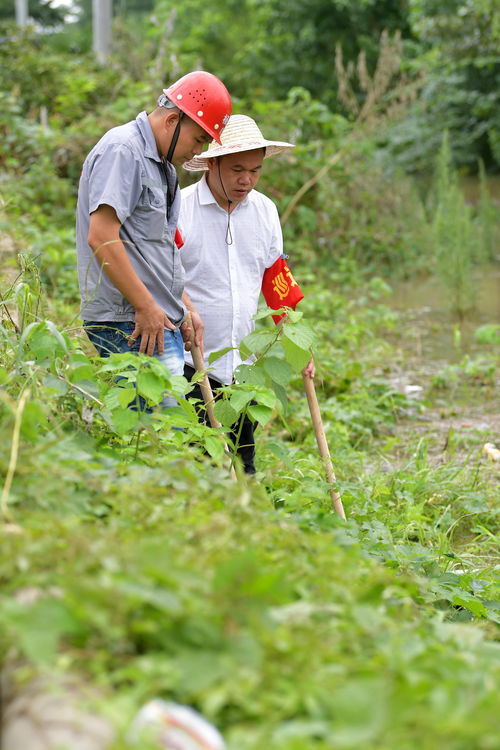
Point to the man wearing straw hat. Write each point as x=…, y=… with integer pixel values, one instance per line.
x=231, y=235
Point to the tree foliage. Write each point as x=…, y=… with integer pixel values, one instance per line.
x=41, y=11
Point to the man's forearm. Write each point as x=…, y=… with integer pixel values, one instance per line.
x=115, y=263
x=104, y=239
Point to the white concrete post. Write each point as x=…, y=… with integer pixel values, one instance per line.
x=101, y=29
x=22, y=12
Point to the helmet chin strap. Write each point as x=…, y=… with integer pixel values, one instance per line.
x=168, y=158
x=175, y=138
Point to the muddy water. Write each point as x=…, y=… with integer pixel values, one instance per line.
x=433, y=331
x=471, y=188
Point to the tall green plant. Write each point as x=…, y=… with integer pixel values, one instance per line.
x=453, y=234
x=487, y=218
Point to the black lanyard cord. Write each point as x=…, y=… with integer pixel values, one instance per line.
x=229, y=233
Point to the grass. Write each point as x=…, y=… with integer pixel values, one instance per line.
x=156, y=575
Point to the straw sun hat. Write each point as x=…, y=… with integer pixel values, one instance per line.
x=240, y=134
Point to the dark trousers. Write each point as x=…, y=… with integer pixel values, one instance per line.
x=244, y=427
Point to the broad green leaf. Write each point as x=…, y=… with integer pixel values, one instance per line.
x=261, y=414
x=251, y=374
x=218, y=354
x=281, y=395
x=296, y=356
x=265, y=397
x=256, y=342
x=267, y=312
x=39, y=627
x=124, y=420
x=300, y=334
x=81, y=372
x=33, y=417
x=240, y=399
x=278, y=370
x=225, y=412
x=179, y=386
x=57, y=385
x=126, y=396
x=213, y=446
x=151, y=386
x=119, y=361
x=295, y=315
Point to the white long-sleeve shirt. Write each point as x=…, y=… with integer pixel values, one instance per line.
x=224, y=280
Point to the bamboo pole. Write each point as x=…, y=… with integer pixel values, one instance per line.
x=206, y=389
x=312, y=400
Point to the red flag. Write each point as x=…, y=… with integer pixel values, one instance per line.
x=178, y=239
x=279, y=288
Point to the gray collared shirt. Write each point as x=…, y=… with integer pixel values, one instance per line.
x=124, y=171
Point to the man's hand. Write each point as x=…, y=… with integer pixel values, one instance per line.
x=197, y=326
x=150, y=319
x=150, y=322
x=309, y=370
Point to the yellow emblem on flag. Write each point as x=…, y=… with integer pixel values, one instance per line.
x=280, y=286
x=289, y=274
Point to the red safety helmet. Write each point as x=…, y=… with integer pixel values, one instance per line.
x=203, y=98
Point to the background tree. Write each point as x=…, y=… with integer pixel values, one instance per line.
x=42, y=11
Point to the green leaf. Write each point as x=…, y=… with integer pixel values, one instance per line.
x=301, y=334
x=296, y=356
x=240, y=399
x=213, y=446
x=267, y=312
x=278, y=370
x=225, y=412
x=33, y=417
x=124, y=420
x=256, y=342
x=281, y=395
x=126, y=396
x=265, y=397
x=40, y=627
x=58, y=386
x=251, y=374
x=261, y=414
x=151, y=386
x=218, y=354
x=120, y=361
x=294, y=315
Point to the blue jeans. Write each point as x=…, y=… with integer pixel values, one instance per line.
x=110, y=337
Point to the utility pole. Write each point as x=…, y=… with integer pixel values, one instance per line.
x=101, y=28
x=22, y=13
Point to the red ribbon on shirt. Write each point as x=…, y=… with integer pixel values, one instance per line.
x=178, y=239
x=279, y=288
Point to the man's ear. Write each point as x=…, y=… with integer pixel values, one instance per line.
x=171, y=119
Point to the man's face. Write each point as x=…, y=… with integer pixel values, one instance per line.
x=233, y=176
x=192, y=140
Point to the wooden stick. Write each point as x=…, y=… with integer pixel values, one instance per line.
x=206, y=388
x=312, y=400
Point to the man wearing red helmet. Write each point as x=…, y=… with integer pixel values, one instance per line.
x=130, y=272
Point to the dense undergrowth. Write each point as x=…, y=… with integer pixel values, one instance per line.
x=156, y=574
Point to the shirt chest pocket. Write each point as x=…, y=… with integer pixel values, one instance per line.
x=151, y=213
